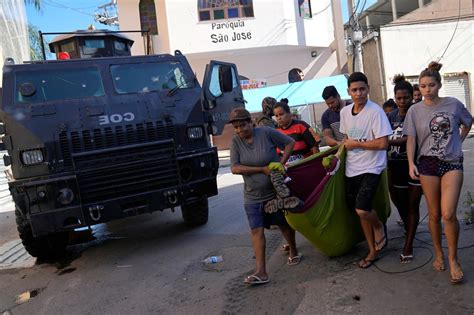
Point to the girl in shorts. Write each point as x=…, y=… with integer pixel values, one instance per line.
x=404, y=191
x=437, y=126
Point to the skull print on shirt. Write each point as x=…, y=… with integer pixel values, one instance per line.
x=441, y=130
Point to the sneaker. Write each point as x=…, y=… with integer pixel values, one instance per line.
x=291, y=204
x=278, y=181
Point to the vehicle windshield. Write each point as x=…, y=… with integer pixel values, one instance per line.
x=62, y=84
x=148, y=77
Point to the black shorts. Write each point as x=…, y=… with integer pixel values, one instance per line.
x=360, y=191
x=399, y=174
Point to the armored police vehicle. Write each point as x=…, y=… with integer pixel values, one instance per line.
x=105, y=135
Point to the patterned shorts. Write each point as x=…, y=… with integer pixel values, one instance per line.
x=433, y=166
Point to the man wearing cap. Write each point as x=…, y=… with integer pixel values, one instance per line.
x=251, y=151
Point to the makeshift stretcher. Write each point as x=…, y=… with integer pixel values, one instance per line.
x=325, y=219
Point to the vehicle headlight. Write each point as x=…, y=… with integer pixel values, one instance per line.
x=195, y=132
x=65, y=196
x=32, y=157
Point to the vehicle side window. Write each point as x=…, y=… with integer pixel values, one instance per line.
x=214, y=85
x=63, y=84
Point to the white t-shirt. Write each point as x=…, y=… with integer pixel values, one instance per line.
x=369, y=124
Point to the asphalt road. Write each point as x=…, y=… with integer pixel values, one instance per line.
x=152, y=264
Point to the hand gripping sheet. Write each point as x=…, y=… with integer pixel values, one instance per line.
x=325, y=219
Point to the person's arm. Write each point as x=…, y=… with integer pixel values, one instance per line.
x=465, y=131
x=287, y=152
x=398, y=141
x=376, y=144
x=248, y=170
x=411, y=146
x=328, y=137
x=311, y=138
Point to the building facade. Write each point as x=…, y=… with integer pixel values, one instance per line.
x=403, y=36
x=13, y=32
x=440, y=31
x=265, y=38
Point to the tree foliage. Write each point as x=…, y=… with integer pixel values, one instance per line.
x=37, y=4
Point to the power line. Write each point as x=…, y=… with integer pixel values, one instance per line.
x=422, y=21
x=454, y=33
x=62, y=6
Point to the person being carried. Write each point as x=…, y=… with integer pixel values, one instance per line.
x=437, y=126
x=331, y=116
x=404, y=191
x=265, y=119
x=306, y=139
x=251, y=151
x=367, y=129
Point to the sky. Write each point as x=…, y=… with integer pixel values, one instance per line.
x=71, y=15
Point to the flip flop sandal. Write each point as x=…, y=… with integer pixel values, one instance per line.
x=404, y=259
x=295, y=260
x=254, y=279
x=367, y=263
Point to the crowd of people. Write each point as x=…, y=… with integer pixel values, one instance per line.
x=417, y=136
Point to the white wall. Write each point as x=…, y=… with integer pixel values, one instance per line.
x=409, y=49
x=319, y=29
x=275, y=23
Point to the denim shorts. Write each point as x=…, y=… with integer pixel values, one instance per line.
x=433, y=166
x=258, y=218
x=360, y=191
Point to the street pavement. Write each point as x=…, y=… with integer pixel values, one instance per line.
x=153, y=264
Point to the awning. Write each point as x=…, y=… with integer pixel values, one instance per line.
x=298, y=93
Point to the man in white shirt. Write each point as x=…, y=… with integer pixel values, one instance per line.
x=367, y=129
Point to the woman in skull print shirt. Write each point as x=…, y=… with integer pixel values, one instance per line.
x=436, y=127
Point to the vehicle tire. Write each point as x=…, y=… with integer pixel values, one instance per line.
x=195, y=213
x=43, y=247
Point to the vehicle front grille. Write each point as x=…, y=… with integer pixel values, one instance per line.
x=114, y=173
x=110, y=137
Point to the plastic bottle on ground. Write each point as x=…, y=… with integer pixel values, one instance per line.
x=213, y=260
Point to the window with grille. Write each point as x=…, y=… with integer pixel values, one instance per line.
x=224, y=9
x=148, y=20
x=305, y=9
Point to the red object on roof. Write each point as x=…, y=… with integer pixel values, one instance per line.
x=63, y=55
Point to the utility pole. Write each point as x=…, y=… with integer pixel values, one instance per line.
x=356, y=35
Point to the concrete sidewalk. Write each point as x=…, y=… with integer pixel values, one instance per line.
x=224, y=158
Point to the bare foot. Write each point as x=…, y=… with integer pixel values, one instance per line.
x=456, y=272
x=438, y=264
